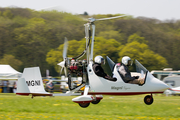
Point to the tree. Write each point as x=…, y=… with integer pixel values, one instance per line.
x=54, y=56
x=104, y=47
x=29, y=35
x=11, y=60
x=8, y=14
x=144, y=55
x=111, y=35
x=85, y=13
x=137, y=38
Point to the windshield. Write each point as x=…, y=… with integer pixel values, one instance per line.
x=111, y=63
x=140, y=67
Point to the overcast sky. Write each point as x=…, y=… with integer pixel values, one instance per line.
x=159, y=9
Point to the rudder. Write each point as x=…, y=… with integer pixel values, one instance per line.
x=31, y=83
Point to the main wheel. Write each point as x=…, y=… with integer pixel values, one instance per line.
x=148, y=100
x=84, y=105
x=95, y=101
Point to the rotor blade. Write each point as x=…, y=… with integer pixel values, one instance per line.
x=110, y=18
x=93, y=19
x=65, y=48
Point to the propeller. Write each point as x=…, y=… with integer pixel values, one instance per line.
x=93, y=19
x=65, y=48
x=64, y=63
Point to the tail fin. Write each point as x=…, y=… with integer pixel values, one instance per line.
x=31, y=83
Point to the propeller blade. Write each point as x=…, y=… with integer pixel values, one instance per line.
x=65, y=48
x=62, y=64
x=86, y=31
x=61, y=70
x=65, y=72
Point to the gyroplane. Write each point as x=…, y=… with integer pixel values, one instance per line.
x=94, y=86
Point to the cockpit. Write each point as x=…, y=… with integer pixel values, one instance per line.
x=139, y=68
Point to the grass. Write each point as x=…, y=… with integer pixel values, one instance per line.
x=14, y=107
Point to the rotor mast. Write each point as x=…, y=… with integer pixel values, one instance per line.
x=92, y=42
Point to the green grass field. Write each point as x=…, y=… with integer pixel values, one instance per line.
x=14, y=107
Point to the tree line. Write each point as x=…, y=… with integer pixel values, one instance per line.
x=35, y=38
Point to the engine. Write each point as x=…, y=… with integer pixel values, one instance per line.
x=77, y=69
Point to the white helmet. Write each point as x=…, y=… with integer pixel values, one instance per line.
x=127, y=61
x=99, y=59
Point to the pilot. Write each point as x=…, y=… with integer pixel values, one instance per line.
x=125, y=73
x=99, y=70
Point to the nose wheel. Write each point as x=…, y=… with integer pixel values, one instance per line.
x=148, y=100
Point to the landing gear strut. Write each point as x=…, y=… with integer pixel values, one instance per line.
x=148, y=100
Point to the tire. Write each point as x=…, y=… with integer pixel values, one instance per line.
x=148, y=100
x=95, y=102
x=84, y=105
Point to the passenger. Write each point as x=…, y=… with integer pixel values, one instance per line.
x=117, y=67
x=99, y=70
x=125, y=73
x=50, y=86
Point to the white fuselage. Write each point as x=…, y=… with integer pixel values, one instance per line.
x=100, y=85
